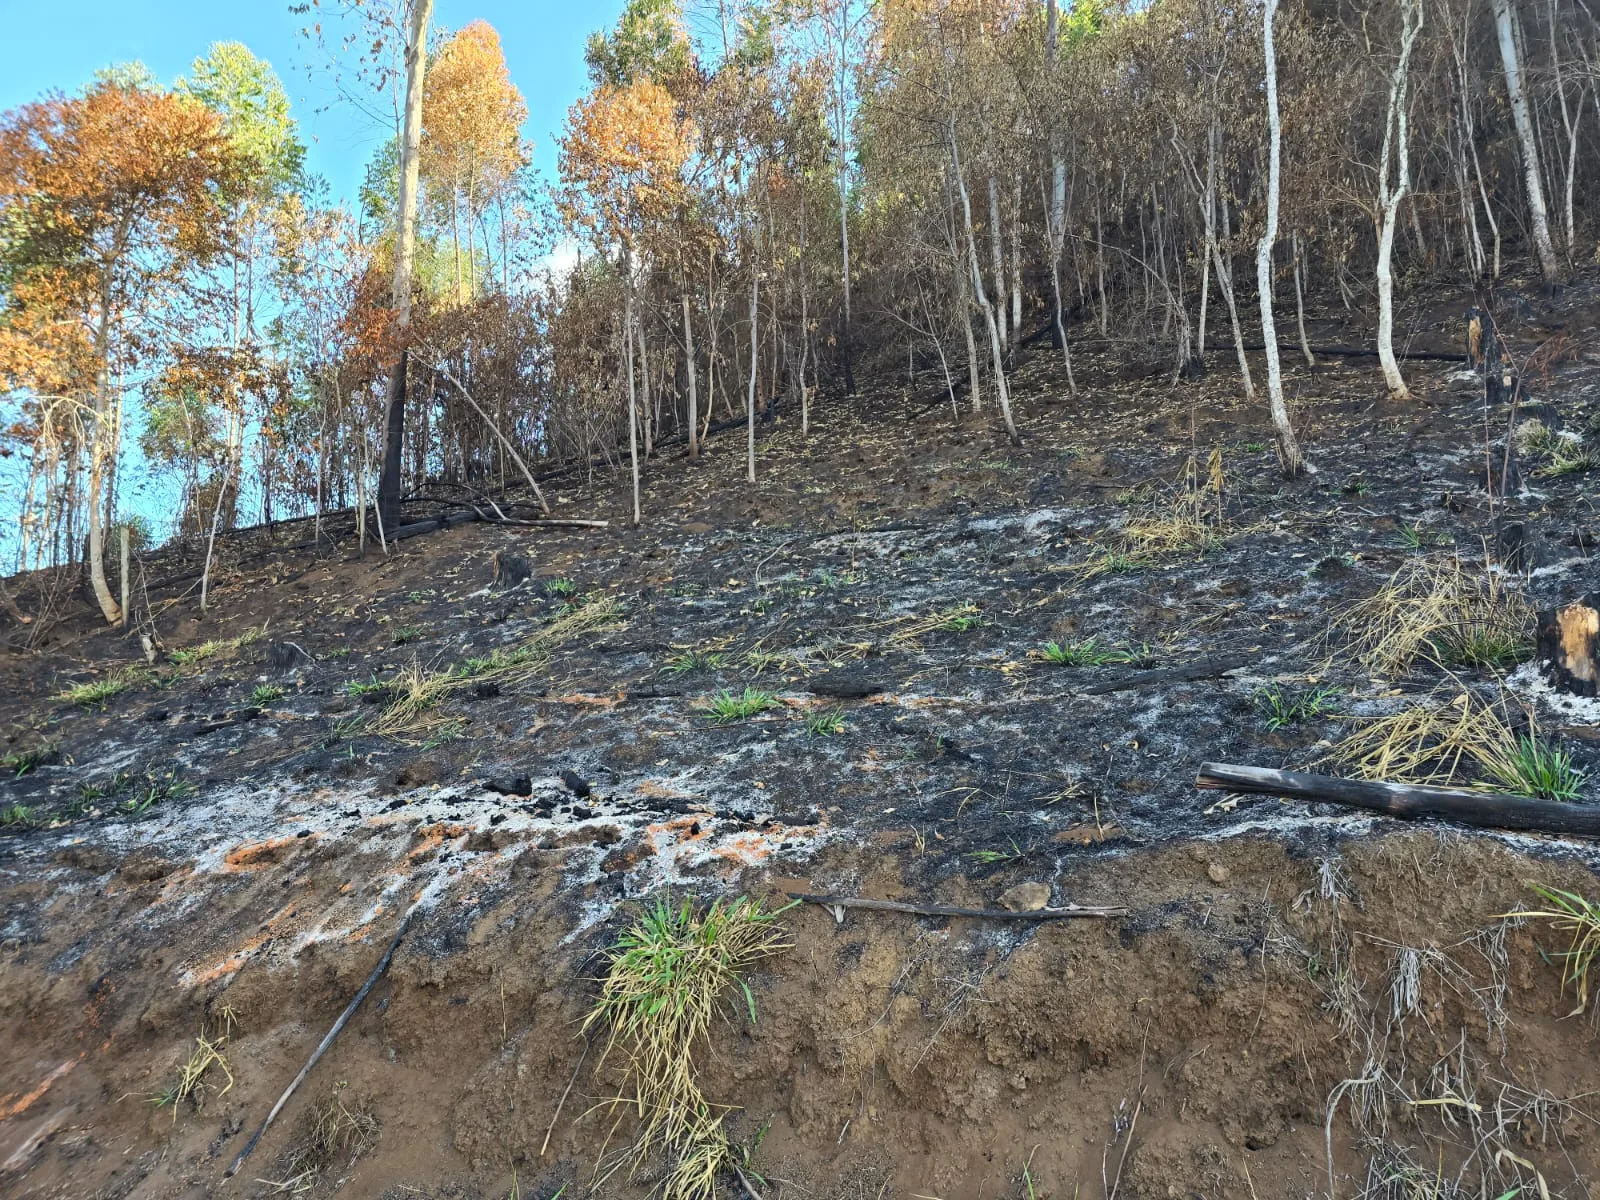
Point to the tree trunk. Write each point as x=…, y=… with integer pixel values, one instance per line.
x=405, y=252
x=750, y=394
x=997, y=261
x=101, y=463
x=1396, y=145
x=633, y=402
x=1289, y=457
x=995, y=336
x=1539, y=216
x=688, y=359
x=1300, y=306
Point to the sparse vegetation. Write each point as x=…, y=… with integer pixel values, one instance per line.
x=564, y=589
x=759, y=660
x=192, y=1085
x=1416, y=537
x=991, y=858
x=195, y=655
x=25, y=762
x=1456, y=741
x=331, y=1129
x=694, y=660
x=96, y=693
x=1571, y=914
x=1189, y=517
x=16, y=816
x=1436, y=610
x=266, y=693
x=1090, y=652
x=1280, y=709
x=907, y=633
x=667, y=980
x=417, y=691
x=728, y=706
x=825, y=723
x=407, y=634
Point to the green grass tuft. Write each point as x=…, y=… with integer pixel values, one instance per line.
x=1533, y=767
x=1091, y=652
x=664, y=988
x=97, y=692
x=16, y=816
x=694, y=660
x=1280, y=709
x=267, y=693
x=25, y=762
x=725, y=706
x=826, y=723
x=1572, y=914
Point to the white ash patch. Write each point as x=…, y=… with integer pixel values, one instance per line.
x=216, y=832
x=1529, y=682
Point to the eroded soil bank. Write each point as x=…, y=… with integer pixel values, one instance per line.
x=1299, y=1001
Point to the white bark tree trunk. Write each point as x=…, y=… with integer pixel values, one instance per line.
x=1539, y=218
x=1396, y=149
x=1289, y=457
x=976, y=270
x=997, y=254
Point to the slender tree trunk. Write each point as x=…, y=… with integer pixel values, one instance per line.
x=101, y=462
x=976, y=270
x=841, y=134
x=1396, y=148
x=1225, y=286
x=688, y=359
x=755, y=346
x=1289, y=457
x=404, y=259
x=633, y=402
x=1016, y=258
x=997, y=260
x=1300, y=305
x=1504, y=20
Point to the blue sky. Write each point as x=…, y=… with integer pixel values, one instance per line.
x=59, y=44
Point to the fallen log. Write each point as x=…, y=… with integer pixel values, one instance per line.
x=1485, y=810
x=837, y=904
x=1205, y=668
x=473, y=514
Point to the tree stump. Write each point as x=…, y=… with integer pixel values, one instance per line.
x=1568, y=646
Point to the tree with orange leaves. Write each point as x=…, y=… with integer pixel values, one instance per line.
x=622, y=162
x=105, y=199
x=472, y=117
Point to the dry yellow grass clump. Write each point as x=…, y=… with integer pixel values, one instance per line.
x=1437, y=610
x=417, y=690
x=669, y=977
x=1189, y=517
x=1460, y=740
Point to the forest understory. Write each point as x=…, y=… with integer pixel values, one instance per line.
x=931, y=668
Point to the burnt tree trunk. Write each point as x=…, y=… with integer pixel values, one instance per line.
x=1569, y=646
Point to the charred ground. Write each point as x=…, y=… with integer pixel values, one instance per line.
x=237, y=826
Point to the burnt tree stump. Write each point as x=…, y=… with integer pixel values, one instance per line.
x=1568, y=646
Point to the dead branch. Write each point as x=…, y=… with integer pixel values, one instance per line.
x=322, y=1046
x=839, y=903
x=1485, y=810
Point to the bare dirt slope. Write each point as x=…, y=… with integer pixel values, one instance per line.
x=1299, y=1001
